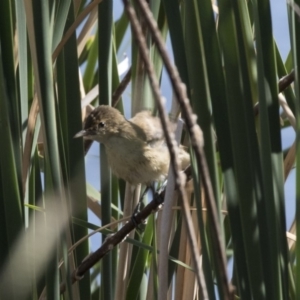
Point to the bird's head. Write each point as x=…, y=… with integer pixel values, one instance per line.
x=102, y=123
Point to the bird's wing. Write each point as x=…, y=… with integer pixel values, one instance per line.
x=149, y=128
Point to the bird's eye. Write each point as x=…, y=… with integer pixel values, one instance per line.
x=101, y=124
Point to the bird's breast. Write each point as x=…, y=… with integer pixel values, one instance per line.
x=136, y=162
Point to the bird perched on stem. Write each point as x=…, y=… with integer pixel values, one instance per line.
x=135, y=148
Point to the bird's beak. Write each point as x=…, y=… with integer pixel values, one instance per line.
x=80, y=134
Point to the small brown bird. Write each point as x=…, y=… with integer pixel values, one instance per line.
x=135, y=148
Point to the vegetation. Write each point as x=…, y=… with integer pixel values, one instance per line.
x=230, y=216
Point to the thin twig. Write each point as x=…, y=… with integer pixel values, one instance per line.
x=115, y=239
x=283, y=83
x=286, y=81
x=173, y=148
x=121, y=88
x=288, y=112
x=197, y=143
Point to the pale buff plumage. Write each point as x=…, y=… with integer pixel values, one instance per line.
x=135, y=148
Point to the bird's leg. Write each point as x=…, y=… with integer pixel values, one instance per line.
x=141, y=205
x=144, y=193
x=162, y=186
x=137, y=209
x=159, y=189
x=150, y=187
